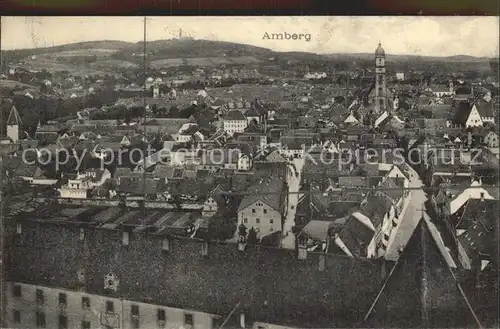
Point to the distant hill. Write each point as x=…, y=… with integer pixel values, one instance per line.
x=395, y=57
x=18, y=54
x=197, y=52
x=186, y=48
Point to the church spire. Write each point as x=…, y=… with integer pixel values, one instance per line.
x=14, y=117
x=13, y=125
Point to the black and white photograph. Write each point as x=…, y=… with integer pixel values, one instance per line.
x=279, y=172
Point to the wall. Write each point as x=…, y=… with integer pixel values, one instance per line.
x=271, y=284
x=264, y=227
x=116, y=203
x=148, y=313
x=73, y=193
x=474, y=119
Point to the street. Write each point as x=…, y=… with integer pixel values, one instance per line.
x=411, y=216
x=293, y=180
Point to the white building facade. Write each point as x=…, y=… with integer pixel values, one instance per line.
x=33, y=306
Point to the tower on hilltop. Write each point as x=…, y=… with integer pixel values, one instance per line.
x=380, y=80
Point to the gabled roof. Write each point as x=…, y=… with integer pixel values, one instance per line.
x=477, y=210
x=478, y=220
x=423, y=256
x=234, y=115
x=266, y=191
x=252, y=112
x=484, y=108
x=122, y=172
x=318, y=229
x=356, y=236
x=275, y=156
x=375, y=206
x=393, y=188
x=460, y=112
x=163, y=171
x=14, y=117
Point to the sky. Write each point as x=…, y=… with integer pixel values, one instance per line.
x=415, y=35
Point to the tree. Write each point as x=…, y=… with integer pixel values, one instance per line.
x=242, y=230
x=252, y=236
x=221, y=227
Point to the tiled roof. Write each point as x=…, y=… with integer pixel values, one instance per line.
x=122, y=172
x=375, y=206
x=484, y=108
x=25, y=170
x=234, y=115
x=460, y=112
x=317, y=229
x=356, y=237
x=137, y=186
x=295, y=143
x=477, y=210
x=392, y=188
x=273, y=199
x=252, y=112
x=163, y=171
x=275, y=156
x=353, y=181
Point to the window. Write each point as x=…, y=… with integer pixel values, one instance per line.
x=62, y=299
x=265, y=211
x=161, y=315
x=16, y=315
x=63, y=322
x=134, y=310
x=245, y=220
x=39, y=296
x=16, y=291
x=257, y=221
x=85, y=324
x=85, y=303
x=40, y=319
x=110, y=307
x=271, y=220
x=188, y=319
x=253, y=211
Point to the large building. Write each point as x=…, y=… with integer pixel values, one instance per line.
x=380, y=80
x=37, y=306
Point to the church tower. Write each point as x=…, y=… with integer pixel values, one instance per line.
x=14, y=125
x=380, y=80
